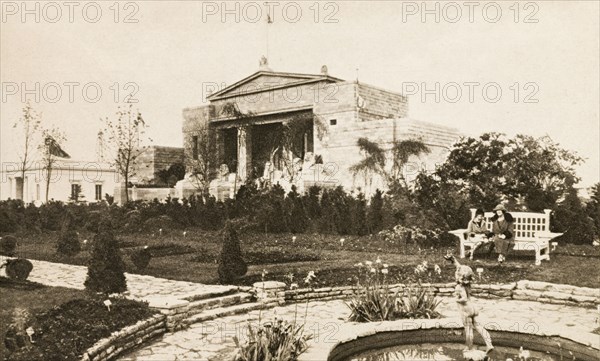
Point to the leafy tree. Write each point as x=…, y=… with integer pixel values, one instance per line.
x=125, y=138
x=492, y=168
x=29, y=127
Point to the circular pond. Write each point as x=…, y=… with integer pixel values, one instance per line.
x=447, y=344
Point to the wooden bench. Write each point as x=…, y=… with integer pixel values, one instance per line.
x=532, y=233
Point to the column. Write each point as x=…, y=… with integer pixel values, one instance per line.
x=244, y=145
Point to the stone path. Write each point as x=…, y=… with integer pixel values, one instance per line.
x=138, y=286
x=212, y=341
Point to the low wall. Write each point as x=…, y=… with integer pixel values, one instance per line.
x=522, y=290
x=356, y=338
x=126, y=338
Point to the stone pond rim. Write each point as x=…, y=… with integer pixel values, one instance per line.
x=555, y=345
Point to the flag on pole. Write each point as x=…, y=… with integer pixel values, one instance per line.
x=55, y=149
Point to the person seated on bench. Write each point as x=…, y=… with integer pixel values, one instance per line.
x=503, y=225
x=478, y=231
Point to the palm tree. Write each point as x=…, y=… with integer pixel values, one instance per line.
x=401, y=151
x=374, y=159
x=372, y=163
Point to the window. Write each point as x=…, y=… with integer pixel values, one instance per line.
x=195, y=147
x=98, y=192
x=332, y=121
x=75, y=191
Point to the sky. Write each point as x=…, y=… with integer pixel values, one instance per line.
x=505, y=66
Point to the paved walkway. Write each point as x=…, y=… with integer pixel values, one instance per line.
x=213, y=340
x=138, y=286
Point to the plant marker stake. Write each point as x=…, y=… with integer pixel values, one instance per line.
x=294, y=239
x=107, y=303
x=479, y=271
x=30, y=333
x=342, y=240
x=554, y=244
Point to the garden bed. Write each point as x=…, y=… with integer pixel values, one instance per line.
x=66, y=321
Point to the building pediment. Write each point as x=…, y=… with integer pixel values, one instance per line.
x=262, y=81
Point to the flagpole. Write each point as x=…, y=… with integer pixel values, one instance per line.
x=268, y=22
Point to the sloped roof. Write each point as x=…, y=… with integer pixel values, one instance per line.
x=273, y=80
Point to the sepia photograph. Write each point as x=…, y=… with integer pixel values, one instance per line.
x=352, y=180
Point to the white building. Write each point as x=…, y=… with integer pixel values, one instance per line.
x=90, y=180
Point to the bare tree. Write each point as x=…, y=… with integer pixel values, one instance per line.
x=29, y=126
x=51, y=149
x=124, y=135
x=201, y=164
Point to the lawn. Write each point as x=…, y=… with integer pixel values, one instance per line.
x=193, y=257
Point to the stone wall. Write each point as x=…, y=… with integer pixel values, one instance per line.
x=522, y=290
x=156, y=158
x=126, y=339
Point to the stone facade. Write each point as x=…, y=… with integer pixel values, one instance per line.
x=156, y=158
x=341, y=112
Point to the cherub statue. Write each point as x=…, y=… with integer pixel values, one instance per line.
x=464, y=277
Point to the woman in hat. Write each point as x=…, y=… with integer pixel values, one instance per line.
x=503, y=226
x=478, y=231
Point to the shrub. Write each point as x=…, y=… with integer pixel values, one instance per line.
x=18, y=268
x=375, y=301
x=106, y=270
x=278, y=340
x=375, y=213
x=15, y=336
x=8, y=245
x=231, y=263
x=571, y=218
x=420, y=303
x=163, y=222
x=68, y=243
x=141, y=258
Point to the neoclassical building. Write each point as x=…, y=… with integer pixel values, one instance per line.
x=304, y=128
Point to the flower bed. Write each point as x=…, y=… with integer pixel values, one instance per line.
x=270, y=255
x=65, y=332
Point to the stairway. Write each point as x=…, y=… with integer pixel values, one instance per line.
x=207, y=307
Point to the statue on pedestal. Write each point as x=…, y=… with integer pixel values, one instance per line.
x=464, y=277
